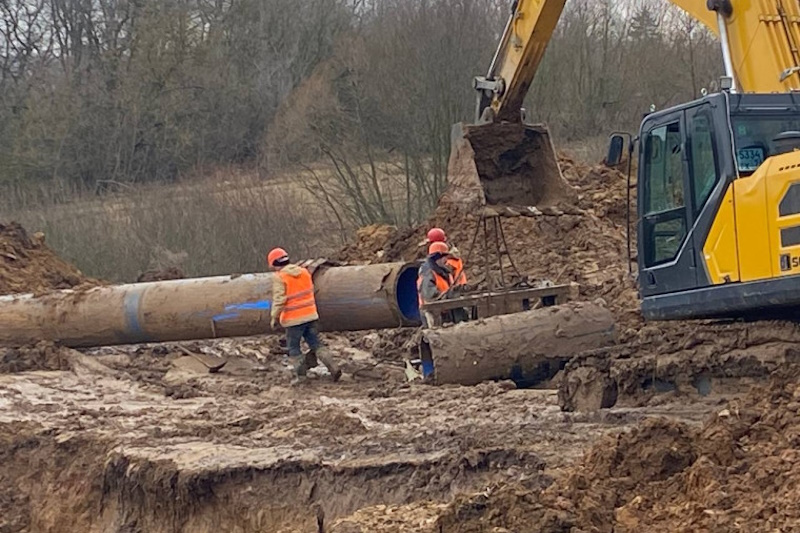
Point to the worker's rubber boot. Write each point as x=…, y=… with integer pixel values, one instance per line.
x=311, y=359
x=327, y=360
x=299, y=364
x=299, y=380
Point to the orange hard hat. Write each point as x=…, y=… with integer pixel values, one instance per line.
x=437, y=235
x=275, y=255
x=438, y=248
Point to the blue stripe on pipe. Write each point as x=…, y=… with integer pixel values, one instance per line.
x=261, y=305
x=232, y=310
x=224, y=316
x=131, y=303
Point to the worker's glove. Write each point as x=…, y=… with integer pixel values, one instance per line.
x=456, y=291
x=273, y=323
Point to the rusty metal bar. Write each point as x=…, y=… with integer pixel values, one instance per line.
x=499, y=303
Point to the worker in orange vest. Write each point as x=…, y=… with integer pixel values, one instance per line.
x=435, y=278
x=294, y=307
x=456, y=265
x=454, y=257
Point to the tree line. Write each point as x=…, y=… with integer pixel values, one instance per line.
x=356, y=96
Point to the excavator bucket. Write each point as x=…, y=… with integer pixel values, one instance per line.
x=505, y=164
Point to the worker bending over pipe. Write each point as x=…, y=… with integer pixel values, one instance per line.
x=295, y=308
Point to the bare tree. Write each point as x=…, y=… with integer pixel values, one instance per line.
x=94, y=92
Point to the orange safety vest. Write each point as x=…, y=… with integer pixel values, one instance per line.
x=459, y=276
x=300, y=302
x=442, y=284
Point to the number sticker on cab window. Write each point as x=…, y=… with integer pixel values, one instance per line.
x=749, y=159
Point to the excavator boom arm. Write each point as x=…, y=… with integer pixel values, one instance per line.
x=763, y=40
x=761, y=43
x=519, y=54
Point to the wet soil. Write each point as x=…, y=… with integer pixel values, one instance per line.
x=505, y=164
x=244, y=450
x=738, y=471
x=43, y=356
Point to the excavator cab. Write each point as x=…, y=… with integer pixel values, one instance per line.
x=718, y=206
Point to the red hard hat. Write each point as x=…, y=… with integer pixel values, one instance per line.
x=275, y=255
x=437, y=235
x=438, y=248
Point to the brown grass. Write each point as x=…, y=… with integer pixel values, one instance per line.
x=218, y=226
x=592, y=150
x=218, y=221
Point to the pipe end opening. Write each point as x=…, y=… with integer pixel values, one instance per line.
x=407, y=299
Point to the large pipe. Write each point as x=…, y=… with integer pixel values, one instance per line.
x=527, y=347
x=349, y=298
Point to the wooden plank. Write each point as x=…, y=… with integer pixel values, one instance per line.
x=213, y=363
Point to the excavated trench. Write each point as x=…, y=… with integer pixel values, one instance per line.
x=202, y=469
x=102, y=442
x=78, y=484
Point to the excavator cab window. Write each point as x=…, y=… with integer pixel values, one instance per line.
x=664, y=220
x=758, y=137
x=702, y=158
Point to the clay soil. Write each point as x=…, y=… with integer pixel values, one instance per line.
x=738, y=471
x=584, y=243
x=145, y=439
x=700, y=430
x=27, y=265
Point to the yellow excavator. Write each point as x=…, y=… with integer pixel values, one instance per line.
x=718, y=227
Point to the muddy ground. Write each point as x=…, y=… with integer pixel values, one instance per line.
x=698, y=432
x=145, y=439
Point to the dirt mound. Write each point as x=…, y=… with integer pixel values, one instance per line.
x=601, y=189
x=373, y=244
x=585, y=499
x=28, y=265
x=161, y=275
x=43, y=356
x=585, y=244
x=738, y=471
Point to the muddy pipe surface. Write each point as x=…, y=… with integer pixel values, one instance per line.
x=349, y=298
x=527, y=347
